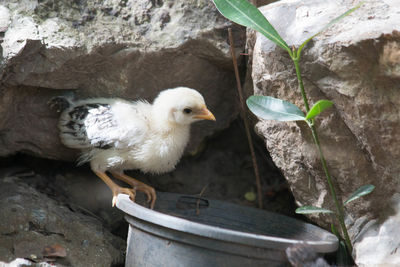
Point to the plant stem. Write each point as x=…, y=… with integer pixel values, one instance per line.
x=339, y=207
x=303, y=93
x=246, y=124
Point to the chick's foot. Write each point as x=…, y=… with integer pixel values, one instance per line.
x=137, y=185
x=116, y=189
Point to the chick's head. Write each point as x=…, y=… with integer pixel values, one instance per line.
x=182, y=106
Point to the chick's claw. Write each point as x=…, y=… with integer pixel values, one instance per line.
x=122, y=190
x=150, y=193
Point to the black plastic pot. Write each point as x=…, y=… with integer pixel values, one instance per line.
x=189, y=231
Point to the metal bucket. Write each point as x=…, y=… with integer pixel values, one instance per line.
x=189, y=231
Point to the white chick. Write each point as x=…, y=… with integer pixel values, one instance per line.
x=116, y=135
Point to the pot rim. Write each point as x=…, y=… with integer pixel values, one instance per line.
x=327, y=244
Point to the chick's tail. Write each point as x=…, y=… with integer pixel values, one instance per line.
x=60, y=103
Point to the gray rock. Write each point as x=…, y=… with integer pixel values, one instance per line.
x=31, y=221
x=383, y=232
x=354, y=63
x=130, y=49
x=301, y=255
x=19, y=262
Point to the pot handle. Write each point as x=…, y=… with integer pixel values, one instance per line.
x=191, y=202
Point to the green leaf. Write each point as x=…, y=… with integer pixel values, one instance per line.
x=362, y=191
x=334, y=230
x=270, y=108
x=250, y=196
x=318, y=107
x=311, y=209
x=335, y=20
x=343, y=258
x=245, y=14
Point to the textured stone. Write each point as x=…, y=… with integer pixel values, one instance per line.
x=31, y=221
x=383, y=232
x=354, y=63
x=130, y=49
x=19, y=262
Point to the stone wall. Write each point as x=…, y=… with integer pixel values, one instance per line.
x=356, y=64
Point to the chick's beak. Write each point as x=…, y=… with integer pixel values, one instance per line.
x=204, y=114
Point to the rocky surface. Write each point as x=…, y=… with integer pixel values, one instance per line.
x=382, y=231
x=354, y=63
x=36, y=227
x=130, y=49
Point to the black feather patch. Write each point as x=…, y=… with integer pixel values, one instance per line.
x=85, y=116
x=80, y=112
x=102, y=145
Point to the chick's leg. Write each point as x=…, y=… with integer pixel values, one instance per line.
x=137, y=185
x=116, y=189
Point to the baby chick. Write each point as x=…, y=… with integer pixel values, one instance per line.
x=116, y=135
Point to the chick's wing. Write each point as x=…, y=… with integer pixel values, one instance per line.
x=116, y=124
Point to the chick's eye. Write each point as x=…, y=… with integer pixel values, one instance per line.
x=187, y=111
